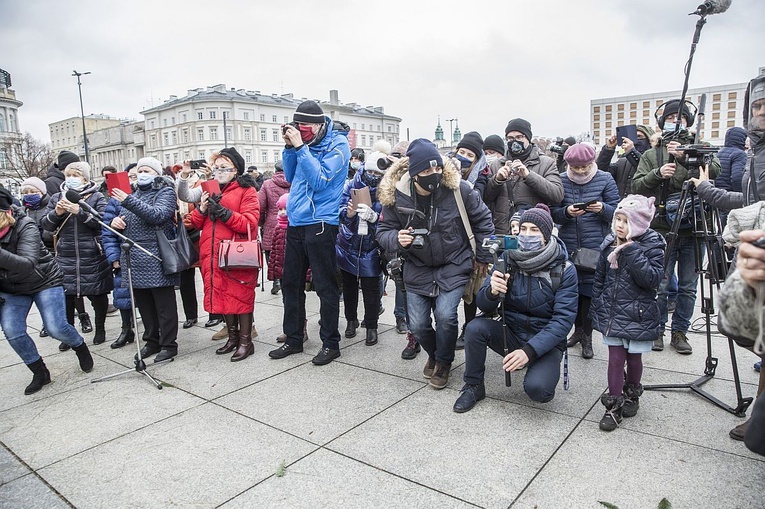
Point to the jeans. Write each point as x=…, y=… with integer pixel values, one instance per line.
x=438, y=342
x=687, y=283
x=542, y=374
x=399, y=311
x=52, y=305
x=314, y=246
x=370, y=289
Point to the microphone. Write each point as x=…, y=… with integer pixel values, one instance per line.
x=74, y=197
x=712, y=7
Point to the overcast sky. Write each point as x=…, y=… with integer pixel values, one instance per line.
x=483, y=62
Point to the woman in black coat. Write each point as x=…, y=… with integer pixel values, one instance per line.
x=79, y=251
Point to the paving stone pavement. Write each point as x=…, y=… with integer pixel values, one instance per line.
x=364, y=431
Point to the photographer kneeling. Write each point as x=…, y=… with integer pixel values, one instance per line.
x=540, y=305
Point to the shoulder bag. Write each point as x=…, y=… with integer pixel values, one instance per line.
x=177, y=254
x=240, y=254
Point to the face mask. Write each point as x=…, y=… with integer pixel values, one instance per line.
x=669, y=127
x=32, y=200
x=492, y=158
x=145, y=179
x=225, y=178
x=74, y=183
x=355, y=164
x=529, y=242
x=517, y=148
x=306, y=132
x=371, y=180
x=429, y=182
x=642, y=145
x=464, y=161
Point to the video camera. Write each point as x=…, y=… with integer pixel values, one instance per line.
x=559, y=147
x=419, y=236
x=697, y=156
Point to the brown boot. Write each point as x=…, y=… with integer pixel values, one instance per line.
x=232, y=326
x=245, y=348
x=281, y=338
x=221, y=334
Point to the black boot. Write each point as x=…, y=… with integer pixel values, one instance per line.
x=613, y=415
x=85, y=323
x=350, y=329
x=41, y=377
x=126, y=336
x=587, y=345
x=232, y=327
x=575, y=338
x=412, y=347
x=371, y=337
x=632, y=393
x=83, y=355
x=100, y=336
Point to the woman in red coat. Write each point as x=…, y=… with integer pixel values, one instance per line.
x=228, y=216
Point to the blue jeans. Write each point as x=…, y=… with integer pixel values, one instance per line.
x=687, y=283
x=52, y=305
x=542, y=374
x=399, y=311
x=438, y=342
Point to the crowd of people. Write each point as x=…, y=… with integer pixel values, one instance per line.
x=541, y=252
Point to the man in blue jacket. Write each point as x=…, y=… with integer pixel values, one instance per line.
x=315, y=161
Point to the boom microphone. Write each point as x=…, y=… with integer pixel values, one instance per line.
x=712, y=7
x=74, y=197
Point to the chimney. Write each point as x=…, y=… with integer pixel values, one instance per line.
x=334, y=98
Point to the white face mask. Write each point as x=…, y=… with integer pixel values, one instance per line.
x=492, y=158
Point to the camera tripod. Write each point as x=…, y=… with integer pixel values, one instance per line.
x=706, y=232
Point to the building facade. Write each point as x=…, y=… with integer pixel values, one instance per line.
x=9, y=116
x=207, y=119
x=67, y=134
x=116, y=146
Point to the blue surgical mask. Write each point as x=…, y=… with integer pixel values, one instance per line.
x=529, y=242
x=356, y=165
x=669, y=127
x=464, y=161
x=32, y=200
x=145, y=179
x=74, y=183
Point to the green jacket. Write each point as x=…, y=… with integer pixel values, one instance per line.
x=648, y=182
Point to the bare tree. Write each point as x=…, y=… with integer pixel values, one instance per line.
x=26, y=157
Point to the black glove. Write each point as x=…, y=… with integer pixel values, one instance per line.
x=224, y=214
x=218, y=211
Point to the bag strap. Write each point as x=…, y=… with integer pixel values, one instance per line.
x=58, y=230
x=465, y=220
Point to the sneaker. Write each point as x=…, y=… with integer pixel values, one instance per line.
x=284, y=351
x=758, y=366
x=430, y=366
x=658, y=344
x=680, y=343
x=401, y=326
x=460, y=344
x=440, y=376
x=325, y=356
x=412, y=347
x=469, y=396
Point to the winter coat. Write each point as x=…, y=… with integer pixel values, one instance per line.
x=113, y=248
x=496, y=198
x=37, y=215
x=589, y=229
x=624, y=299
x=317, y=174
x=268, y=196
x=623, y=170
x=144, y=211
x=79, y=251
x=732, y=160
x=358, y=254
x=738, y=318
x=648, y=182
x=445, y=261
x=26, y=267
x=54, y=180
x=539, y=317
x=542, y=185
x=228, y=292
x=276, y=258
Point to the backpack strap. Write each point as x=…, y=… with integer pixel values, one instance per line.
x=465, y=220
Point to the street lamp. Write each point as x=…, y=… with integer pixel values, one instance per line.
x=451, y=131
x=82, y=113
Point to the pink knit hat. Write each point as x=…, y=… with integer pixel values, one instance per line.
x=639, y=211
x=282, y=202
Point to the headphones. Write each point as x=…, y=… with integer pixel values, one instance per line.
x=674, y=105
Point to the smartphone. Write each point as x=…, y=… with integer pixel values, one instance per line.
x=626, y=131
x=583, y=206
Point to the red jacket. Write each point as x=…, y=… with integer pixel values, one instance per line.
x=224, y=293
x=269, y=195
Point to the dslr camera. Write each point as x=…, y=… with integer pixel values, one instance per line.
x=697, y=156
x=396, y=269
x=293, y=124
x=419, y=237
x=559, y=147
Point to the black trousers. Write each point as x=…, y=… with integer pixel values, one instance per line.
x=582, y=316
x=189, y=293
x=370, y=289
x=159, y=313
x=100, y=304
x=314, y=246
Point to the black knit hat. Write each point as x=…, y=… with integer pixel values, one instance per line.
x=672, y=107
x=358, y=153
x=6, y=199
x=495, y=143
x=234, y=157
x=473, y=142
x=422, y=155
x=539, y=216
x=520, y=125
x=309, y=112
x=64, y=158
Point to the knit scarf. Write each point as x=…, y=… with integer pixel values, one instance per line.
x=581, y=179
x=282, y=221
x=613, y=257
x=533, y=262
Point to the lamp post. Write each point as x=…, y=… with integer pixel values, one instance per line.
x=451, y=131
x=82, y=113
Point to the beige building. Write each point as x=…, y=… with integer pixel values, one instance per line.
x=9, y=115
x=67, y=134
x=116, y=146
x=207, y=119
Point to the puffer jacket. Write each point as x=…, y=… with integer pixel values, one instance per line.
x=446, y=259
x=79, y=251
x=276, y=258
x=38, y=214
x=648, y=182
x=317, y=175
x=539, y=317
x=624, y=299
x=113, y=248
x=542, y=185
x=228, y=292
x=358, y=254
x=589, y=229
x=732, y=160
x=268, y=196
x=26, y=267
x=144, y=211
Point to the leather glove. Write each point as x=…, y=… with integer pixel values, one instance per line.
x=224, y=214
x=366, y=213
x=214, y=209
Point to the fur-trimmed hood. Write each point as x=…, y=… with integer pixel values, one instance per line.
x=397, y=178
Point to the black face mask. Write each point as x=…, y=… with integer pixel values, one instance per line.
x=642, y=145
x=370, y=180
x=429, y=182
x=516, y=150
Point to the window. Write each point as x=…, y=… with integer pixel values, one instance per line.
x=262, y=135
x=646, y=113
x=273, y=118
x=716, y=97
x=185, y=136
x=608, y=116
x=716, y=115
x=731, y=114
x=277, y=154
x=175, y=138
x=214, y=133
x=596, y=109
x=262, y=117
x=153, y=143
x=596, y=117
x=286, y=119
x=596, y=125
x=226, y=115
x=389, y=129
x=609, y=107
x=246, y=115
x=201, y=134
x=172, y=120
x=212, y=115
x=731, y=123
x=715, y=134
x=716, y=107
x=633, y=114
x=364, y=140
x=275, y=134
x=152, y=126
x=228, y=134
x=732, y=105
x=164, y=122
x=248, y=156
x=620, y=115
x=247, y=135
x=715, y=125
x=732, y=95
x=354, y=125
x=608, y=125
x=264, y=157
x=363, y=127
x=166, y=140
x=378, y=129
x=186, y=155
x=646, y=104
x=200, y=115
x=620, y=107
x=184, y=119
x=201, y=154
x=633, y=106
x=167, y=159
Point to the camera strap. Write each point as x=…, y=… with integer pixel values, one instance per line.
x=465, y=220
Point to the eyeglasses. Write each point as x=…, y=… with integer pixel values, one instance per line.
x=223, y=170
x=519, y=138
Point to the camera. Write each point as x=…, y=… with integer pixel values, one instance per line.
x=697, y=156
x=293, y=124
x=559, y=147
x=498, y=243
x=419, y=237
x=197, y=164
x=396, y=269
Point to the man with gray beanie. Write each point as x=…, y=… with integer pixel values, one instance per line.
x=421, y=220
x=315, y=159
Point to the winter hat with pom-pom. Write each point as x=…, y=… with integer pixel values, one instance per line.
x=540, y=216
x=378, y=159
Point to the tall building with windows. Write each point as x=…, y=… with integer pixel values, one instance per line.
x=116, y=146
x=207, y=119
x=67, y=134
x=724, y=109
